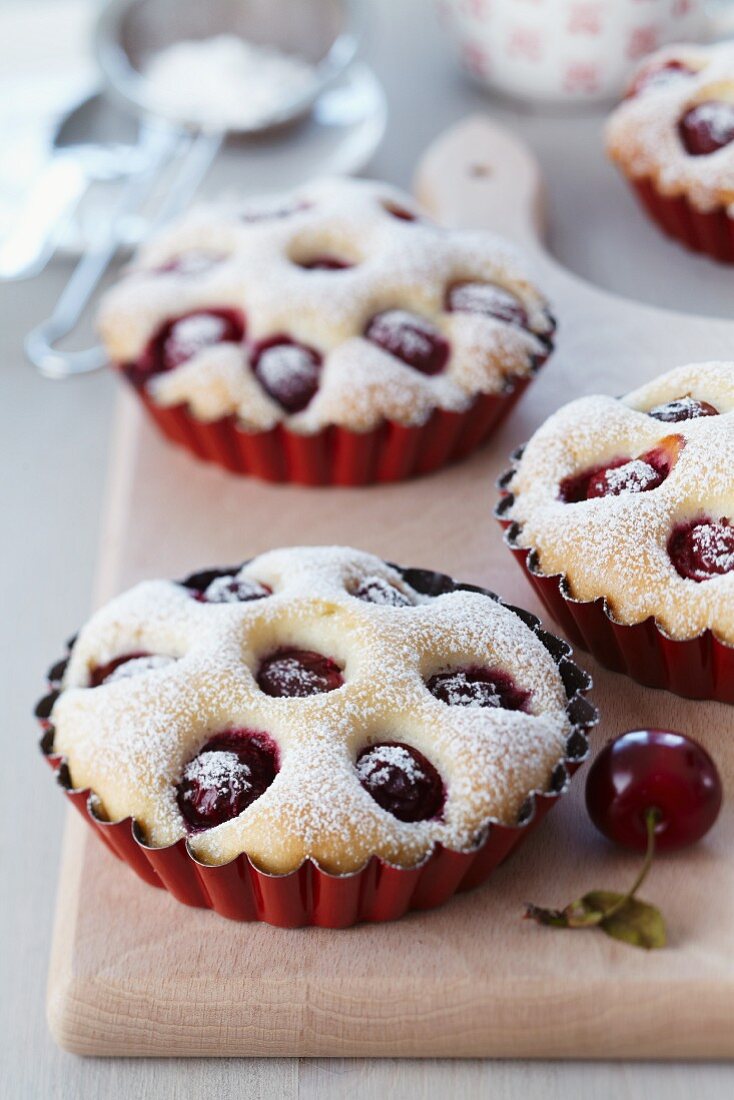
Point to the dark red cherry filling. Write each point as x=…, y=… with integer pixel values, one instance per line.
x=488, y=299
x=182, y=338
x=400, y=212
x=623, y=475
x=196, y=261
x=232, y=589
x=410, y=338
x=401, y=781
x=378, y=590
x=683, y=408
x=230, y=772
x=130, y=664
x=297, y=673
x=707, y=127
x=660, y=76
x=477, y=687
x=702, y=549
x=288, y=371
x=325, y=263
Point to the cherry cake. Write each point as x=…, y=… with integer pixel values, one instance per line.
x=280, y=338
x=629, y=503
x=673, y=138
x=318, y=705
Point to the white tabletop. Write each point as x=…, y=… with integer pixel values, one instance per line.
x=54, y=440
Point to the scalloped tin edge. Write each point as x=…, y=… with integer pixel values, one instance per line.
x=707, y=231
x=339, y=456
x=309, y=895
x=701, y=667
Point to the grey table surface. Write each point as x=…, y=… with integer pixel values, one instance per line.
x=54, y=439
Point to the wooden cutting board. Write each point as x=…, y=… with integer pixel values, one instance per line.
x=135, y=973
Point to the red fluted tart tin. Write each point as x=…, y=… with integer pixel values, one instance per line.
x=378, y=891
x=696, y=668
x=708, y=231
x=337, y=456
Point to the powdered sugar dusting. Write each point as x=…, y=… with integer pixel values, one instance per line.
x=131, y=741
x=138, y=665
x=713, y=545
x=221, y=770
x=399, y=268
x=616, y=547
x=373, y=769
x=633, y=477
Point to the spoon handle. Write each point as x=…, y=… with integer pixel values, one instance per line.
x=28, y=246
x=40, y=342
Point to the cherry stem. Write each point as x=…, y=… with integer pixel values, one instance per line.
x=652, y=817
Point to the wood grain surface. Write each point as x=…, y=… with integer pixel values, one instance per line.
x=135, y=973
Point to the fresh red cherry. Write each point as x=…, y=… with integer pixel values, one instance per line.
x=296, y=673
x=182, y=338
x=707, y=127
x=478, y=687
x=702, y=549
x=231, y=771
x=623, y=475
x=410, y=338
x=401, y=781
x=683, y=408
x=288, y=371
x=377, y=590
x=653, y=770
x=660, y=76
x=488, y=299
x=196, y=261
x=130, y=664
x=646, y=790
x=325, y=263
x=231, y=589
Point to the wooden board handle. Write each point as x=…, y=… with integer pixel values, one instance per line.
x=478, y=175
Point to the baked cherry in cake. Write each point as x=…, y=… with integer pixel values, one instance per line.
x=703, y=548
x=288, y=371
x=230, y=588
x=375, y=589
x=225, y=777
x=488, y=300
x=707, y=127
x=130, y=664
x=338, y=307
x=410, y=338
x=195, y=261
x=308, y=721
x=401, y=780
x=682, y=408
x=623, y=475
x=325, y=263
x=651, y=536
x=291, y=672
x=185, y=337
x=660, y=75
x=477, y=687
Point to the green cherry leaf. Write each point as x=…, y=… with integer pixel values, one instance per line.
x=579, y=914
x=637, y=923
